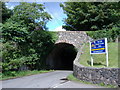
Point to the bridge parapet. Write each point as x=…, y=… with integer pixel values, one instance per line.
x=76, y=38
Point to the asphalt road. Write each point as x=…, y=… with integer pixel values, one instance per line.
x=54, y=79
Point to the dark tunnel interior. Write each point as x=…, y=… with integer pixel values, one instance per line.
x=62, y=57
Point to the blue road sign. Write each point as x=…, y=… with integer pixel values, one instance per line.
x=98, y=47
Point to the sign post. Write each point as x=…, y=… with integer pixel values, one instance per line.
x=91, y=55
x=91, y=60
x=106, y=52
x=99, y=47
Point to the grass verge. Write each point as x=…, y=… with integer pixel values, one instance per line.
x=72, y=78
x=100, y=59
x=18, y=74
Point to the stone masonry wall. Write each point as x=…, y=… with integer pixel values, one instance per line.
x=77, y=38
x=97, y=75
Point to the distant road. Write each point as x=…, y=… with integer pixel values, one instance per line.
x=54, y=79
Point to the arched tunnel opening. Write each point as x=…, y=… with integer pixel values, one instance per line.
x=62, y=57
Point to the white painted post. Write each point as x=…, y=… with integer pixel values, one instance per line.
x=106, y=48
x=91, y=60
x=91, y=55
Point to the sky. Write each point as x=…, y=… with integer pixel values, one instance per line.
x=54, y=9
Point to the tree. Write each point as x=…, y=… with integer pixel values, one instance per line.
x=32, y=14
x=26, y=18
x=6, y=13
x=87, y=16
x=25, y=41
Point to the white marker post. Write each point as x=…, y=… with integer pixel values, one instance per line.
x=91, y=55
x=91, y=60
x=106, y=48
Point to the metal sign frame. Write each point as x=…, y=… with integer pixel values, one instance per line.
x=106, y=51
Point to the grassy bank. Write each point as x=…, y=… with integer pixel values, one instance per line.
x=100, y=60
x=72, y=78
x=12, y=75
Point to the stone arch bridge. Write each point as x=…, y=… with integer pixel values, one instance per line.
x=64, y=53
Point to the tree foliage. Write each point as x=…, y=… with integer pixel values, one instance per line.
x=32, y=14
x=42, y=42
x=14, y=31
x=24, y=39
x=31, y=55
x=89, y=16
x=110, y=34
x=6, y=13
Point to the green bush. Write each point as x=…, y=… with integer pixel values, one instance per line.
x=42, y=43
x=10, y=53
x=111, y=34
x=14, y=31
x=33, y=54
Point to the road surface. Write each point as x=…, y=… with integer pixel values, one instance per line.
x=54, y=79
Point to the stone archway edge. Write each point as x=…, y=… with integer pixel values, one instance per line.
x=76, y=38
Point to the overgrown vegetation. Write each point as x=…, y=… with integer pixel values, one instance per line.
x=111, y=34
x=91, y=16
x=100, y=59
x=25, y=40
